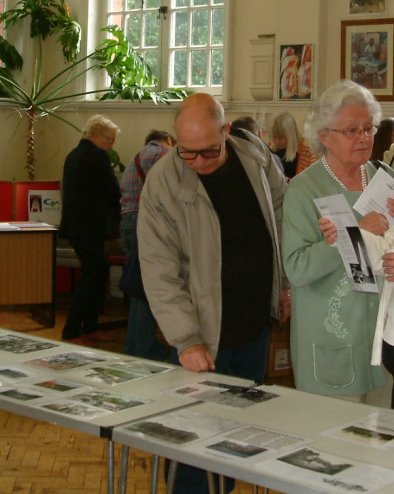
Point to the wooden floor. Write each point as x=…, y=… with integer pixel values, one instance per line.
x=41, y=458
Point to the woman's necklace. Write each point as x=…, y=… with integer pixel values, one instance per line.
x=363, y=173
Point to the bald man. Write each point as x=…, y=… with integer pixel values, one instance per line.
x=208, y=229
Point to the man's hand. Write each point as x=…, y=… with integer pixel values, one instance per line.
x=388, y=265
x=197, y=359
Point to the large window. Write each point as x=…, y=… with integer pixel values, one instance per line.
x=182, y=40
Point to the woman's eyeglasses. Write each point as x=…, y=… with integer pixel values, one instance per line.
x=111, y=140
x=356, y=132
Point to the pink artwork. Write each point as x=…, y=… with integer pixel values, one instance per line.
x=295, y=72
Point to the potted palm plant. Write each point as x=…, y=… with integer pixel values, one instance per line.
x=130, y=76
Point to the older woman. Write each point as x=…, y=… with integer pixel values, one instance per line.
x=90, y=215
x=332, y=327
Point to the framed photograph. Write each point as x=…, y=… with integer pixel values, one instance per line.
x=367, y=55
x=295, y=72
x=367, y=6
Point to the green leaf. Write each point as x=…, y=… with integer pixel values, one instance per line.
x=9, y=55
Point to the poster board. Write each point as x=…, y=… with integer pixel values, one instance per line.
x=45, y=206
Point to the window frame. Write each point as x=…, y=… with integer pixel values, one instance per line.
x=165, y=58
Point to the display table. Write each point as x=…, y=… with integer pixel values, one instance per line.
x=341, y=454
x=27, y=267
x=86, y=389
x=269, y=436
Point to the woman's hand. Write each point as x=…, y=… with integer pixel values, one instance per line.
x=388, y=265
x=329, y=230
x=375, y=223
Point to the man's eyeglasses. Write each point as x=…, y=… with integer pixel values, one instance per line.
x=356, y=132
x=208, y=154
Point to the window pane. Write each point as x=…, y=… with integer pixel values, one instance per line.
x=151, y=4
x=181, y=28
x=133, y=4
x=199, y=68
x=200, y=28
x=133, y=29
x=115, y=19
x=217, y=2
x=217, y=27
x=200, y=2
x=151, y=57
x=181, y=3
x=115, y=5
x=180, y=68
x=151, y=29
x=217, y=67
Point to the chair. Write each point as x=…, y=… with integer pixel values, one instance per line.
x=67, y=258
x=6, y=194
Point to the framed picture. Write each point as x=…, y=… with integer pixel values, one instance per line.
x=367, y=55
x=367, y=6
x=295, y=72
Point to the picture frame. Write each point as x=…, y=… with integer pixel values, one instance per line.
x=295, y=71
x=367, y=7
x=367, y=54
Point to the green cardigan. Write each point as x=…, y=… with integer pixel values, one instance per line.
x=332, y=327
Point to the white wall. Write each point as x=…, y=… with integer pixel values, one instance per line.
x=302, y=21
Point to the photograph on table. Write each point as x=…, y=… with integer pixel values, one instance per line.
x=367, y=54
x=295, y=71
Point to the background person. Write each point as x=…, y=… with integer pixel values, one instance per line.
x=289, y=145
x=238, y=127
x=332, y=326
x=90, y=215
x=383, y=148
x=141, y=338
x=210, y=213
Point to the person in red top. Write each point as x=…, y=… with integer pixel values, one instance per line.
x=289, y=145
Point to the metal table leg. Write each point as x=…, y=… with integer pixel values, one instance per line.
x=154, y=474
x=123, y=470
x=211, y=483
x=171, y=476
x=110, y=479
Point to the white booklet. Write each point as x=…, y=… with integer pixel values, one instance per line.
x=375, y=195
x=350, y=242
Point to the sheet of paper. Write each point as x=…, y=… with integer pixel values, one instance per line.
x=223, y=394
x=350, y=243
x=375, y=195
x=325, y=472
x=7, y=227
x=376, y=430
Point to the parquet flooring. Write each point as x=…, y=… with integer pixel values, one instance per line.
x=41, y=458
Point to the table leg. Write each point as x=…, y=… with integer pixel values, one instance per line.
x=171, y=476
x=211, y=483
x=222, y=484
x=154, y=474
x=110, y=479
x=123, y=470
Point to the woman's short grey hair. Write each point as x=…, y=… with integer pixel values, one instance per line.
x=98, y=124
x=341, y=94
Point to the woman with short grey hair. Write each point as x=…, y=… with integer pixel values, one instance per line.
x=342, y=93
x=332, y=325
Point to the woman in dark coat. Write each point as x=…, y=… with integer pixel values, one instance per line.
x=90, y=215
